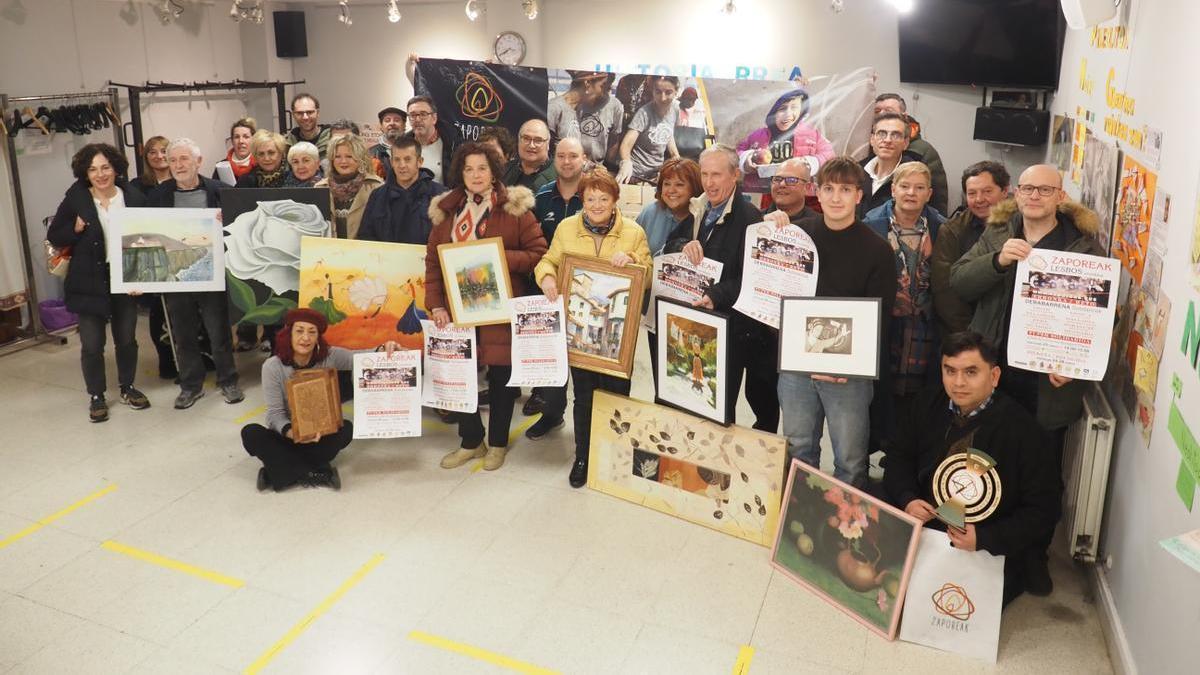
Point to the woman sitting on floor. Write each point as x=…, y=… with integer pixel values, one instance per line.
x=286, y=460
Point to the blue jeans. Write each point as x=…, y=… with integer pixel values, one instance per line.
x=806, y=404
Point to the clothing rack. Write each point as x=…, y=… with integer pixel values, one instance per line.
x=37, y=333
x=136, y=91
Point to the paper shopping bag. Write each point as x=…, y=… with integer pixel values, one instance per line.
x=954, y=598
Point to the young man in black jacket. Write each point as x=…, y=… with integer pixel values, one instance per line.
x=188, y=189
x=968, y=414
x=716, y=230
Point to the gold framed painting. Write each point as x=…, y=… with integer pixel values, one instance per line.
x=604, y=310
x=314, y=402
x=475, y=275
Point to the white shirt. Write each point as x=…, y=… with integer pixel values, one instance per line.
x=117, y=202
x=877, y=181
x=432, y=159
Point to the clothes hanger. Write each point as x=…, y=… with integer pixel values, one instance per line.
x=35, y=121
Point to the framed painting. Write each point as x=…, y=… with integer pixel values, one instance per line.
x=724, y=478
x=604, y=310
x=165, y=250
x=475, y=275
x=830, y=336
x=854, y=551
x=314, y=403
x=693, y=363
x=369, y=291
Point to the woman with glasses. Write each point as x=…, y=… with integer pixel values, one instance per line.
x=785, y=135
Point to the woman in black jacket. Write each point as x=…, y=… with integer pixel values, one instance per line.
x=79, y=223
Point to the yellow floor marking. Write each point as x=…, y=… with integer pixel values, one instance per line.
x=745, y=656
x=301, y=626
x=511, y=437
x=163, y=561
x=478, y=654
x=251, y=415
x=55, y=516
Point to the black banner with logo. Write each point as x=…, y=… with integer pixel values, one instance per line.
x=471, y=95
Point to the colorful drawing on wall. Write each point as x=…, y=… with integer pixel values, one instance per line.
x=854, y=551
x=725, y=478
x=370, y=292
x=1131, y=234
x=1062, y=135
x=165, y=250
x=1098, y=189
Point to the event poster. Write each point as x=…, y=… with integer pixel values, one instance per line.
x=387, y=394
x=1063, y=315
x=676, y=278
x=778, y=262
x=450, y=378
x=539, y=342
x=1135, y=203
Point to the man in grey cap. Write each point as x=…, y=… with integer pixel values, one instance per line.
x=392, y=121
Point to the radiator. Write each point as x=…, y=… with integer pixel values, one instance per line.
x=1087, y=450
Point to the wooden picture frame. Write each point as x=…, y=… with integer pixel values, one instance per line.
x=831, y=336
x=692, y=369
x=475, y=276
x=604, y=313
x=852, y=550
x=315, y=403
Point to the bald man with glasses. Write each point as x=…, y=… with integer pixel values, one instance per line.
x=532, y=166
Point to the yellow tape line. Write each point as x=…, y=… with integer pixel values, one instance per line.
x=478, y=654
x=169, y=563
x=745, y=656
x=251, y=415
x=312, y=616
x=511, y=437
x=55, y=516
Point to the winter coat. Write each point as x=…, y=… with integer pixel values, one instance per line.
x=86, y=286
x=401, y=215
x=513, y=221
x=956, y=236
x=927, y=155
x=880, y=219
x=724, y=243
x=976, y=278
x=515, y=175
x=163, y=196
x=371, y=183
x=572, y=237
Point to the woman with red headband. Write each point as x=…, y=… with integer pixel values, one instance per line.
x=300, y=344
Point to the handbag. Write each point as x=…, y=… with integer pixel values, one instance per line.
x=57, y=259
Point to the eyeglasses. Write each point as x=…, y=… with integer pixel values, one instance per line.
x=1043, y=190
x=304, y=113
x=885, y=135
x=534, y=141
x=790, y=181
x=419, y=115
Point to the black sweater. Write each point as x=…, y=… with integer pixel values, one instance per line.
x=854, y=263
x=1031, y=484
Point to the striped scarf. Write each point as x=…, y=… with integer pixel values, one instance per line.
x=471, y=220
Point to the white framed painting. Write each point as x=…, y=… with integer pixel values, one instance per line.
x=830, y=336
x=165, y=250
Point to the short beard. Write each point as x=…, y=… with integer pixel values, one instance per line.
x=393, y=134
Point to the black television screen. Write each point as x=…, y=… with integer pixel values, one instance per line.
x=1015, y=43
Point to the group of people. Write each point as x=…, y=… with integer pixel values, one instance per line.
x=879, y=226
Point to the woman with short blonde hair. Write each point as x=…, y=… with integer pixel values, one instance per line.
x=269, y=150
x=351, y=181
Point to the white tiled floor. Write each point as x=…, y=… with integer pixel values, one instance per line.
x=513, y=562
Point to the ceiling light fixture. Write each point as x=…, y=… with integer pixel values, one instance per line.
x=473, y=9
x=836, y=6
x=729, y=8
x=903, y=6
x=344, y=17
x=531, y=9
x=393, y=12
x=168, y=11
x=246, y=10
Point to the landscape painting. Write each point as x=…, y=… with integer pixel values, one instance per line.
x=604, y=309
x=165, y=250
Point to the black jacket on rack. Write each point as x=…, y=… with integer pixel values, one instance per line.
x=86, y=286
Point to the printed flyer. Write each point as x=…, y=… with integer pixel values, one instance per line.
x=1062, y=314
x=450, y=379
x=778, y=263
x=676, y=278
x=539, y=342
x=387, y=394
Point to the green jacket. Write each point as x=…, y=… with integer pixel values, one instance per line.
x=930, y=157
x=955, y=238
x=976, y=278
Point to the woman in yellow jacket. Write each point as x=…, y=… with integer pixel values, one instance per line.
x=601, y=231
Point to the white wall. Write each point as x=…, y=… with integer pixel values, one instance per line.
x=1157, y=598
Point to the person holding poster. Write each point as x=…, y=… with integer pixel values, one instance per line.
x=479, y=206
x=539, y=354
x=1041, y=218
x=968, y=415
x=598, y=230
x=785, y=136
x=387, y=394
x=286, y=461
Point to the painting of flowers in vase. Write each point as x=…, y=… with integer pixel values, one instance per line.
x=853, y=550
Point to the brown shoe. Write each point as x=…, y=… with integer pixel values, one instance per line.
x=494, y=459
x=461, y=456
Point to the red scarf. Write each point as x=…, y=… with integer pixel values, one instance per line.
x=471, y=220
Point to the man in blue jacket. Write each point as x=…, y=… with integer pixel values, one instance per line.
x=398, y=212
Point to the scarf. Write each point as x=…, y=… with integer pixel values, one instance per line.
x=600, y=230
x=240, y=167
x=913, y=339
x=344, y=190
x=470, y=222
x=292, y=181
x=912, y=270
x=271, y=178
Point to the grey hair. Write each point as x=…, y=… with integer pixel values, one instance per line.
x=729, y=153
x=304, y=148
x=187, y=144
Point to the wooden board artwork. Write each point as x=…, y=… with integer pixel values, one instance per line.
x=315, y=403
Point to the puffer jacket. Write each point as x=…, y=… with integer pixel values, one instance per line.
x=572, y=238
x=524, y=245
x=976, y=278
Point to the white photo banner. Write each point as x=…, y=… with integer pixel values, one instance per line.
x=1062, y=314
x=676, y=278
x=450, y=379
x=778, y=262
x=539, y=342
x=387, y=394
x=165, y=250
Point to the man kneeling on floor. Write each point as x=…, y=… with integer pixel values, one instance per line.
x=969, y=415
